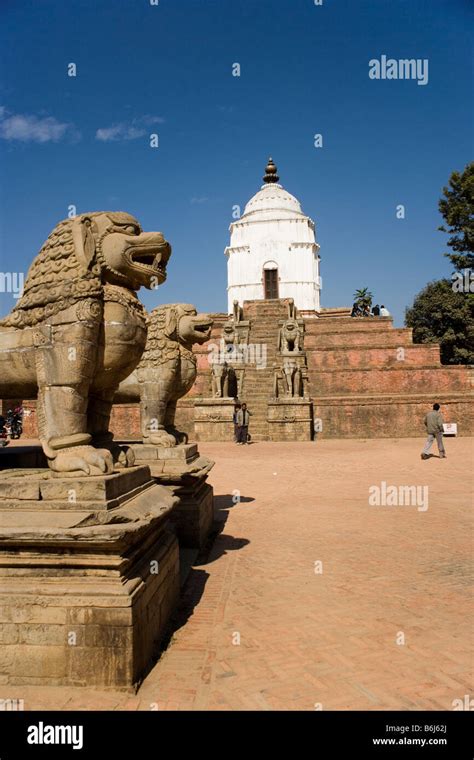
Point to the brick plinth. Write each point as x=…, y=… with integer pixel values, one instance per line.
x=213, y=419
x=289, y=420
x=87, y=585
x=183, y=472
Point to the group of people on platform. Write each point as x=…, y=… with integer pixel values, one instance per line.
x=364, y=311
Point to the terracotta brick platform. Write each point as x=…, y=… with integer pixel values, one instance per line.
x=261, y=627
x=365, y=378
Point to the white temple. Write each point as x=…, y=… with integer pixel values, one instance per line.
x=273, y=251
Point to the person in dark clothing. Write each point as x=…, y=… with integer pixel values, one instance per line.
x=434, y=427
x=376, y=310
x=3, y=433
x=243, y=417
x=234, y=419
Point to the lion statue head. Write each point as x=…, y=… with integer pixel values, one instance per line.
x=290, y=329
x=172, y=328
x=83, y=254
x=229, y=333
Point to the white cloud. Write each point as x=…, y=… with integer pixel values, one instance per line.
x=200, y=199
x=148, y=120
x=31, y=128
x=127, y=130
x=119, y=132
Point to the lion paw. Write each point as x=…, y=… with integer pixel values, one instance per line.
x=123, y=456
x=160, y=438
x=179, y=435
x=76, y=460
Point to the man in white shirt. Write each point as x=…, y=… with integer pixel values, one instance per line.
x=384, y=312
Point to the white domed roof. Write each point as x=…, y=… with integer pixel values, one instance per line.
x=272, y=200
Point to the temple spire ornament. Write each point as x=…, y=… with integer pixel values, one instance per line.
x=271, y=172
x=272, y=252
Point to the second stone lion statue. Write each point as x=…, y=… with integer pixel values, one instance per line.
x=167, y=370
x=78, y=330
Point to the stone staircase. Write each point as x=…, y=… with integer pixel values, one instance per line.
x=258, y=383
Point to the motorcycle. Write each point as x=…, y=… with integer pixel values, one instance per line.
x=16, y=427
x=3, y=434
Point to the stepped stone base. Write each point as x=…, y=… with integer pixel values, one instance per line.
x=89, y=576
x=289, y=419
x=213, y=419
x=184, y=472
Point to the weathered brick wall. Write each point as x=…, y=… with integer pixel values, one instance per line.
x=125, y=421
x=365, y=358
x=387, y=380
x=368, y=379
x=402, y=416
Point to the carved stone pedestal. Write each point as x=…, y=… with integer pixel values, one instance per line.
x=184, y=472
x=89, y=576
x=213, y=419
x=289, y=419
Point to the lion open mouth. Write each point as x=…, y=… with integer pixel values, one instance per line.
x=203, y=328
x=149, y=257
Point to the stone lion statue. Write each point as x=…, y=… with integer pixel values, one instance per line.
x=229, y=334
x=78, y=330
x=289, y=337
x=220, y=374
x=167, y=370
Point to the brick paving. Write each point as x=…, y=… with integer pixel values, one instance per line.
x=260, y=626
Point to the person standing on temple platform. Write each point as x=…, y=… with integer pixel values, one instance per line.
x=384, y=312
x=376, y=310
x=243, y=418
x=434, y=428
x=234, y=419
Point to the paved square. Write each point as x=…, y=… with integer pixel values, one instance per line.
x=313, y=598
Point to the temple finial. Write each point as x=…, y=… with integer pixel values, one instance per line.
x=270, y=172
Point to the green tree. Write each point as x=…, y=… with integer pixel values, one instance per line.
x=457, y=209
x=363, y=297
x=443, y=312
x=441, y=315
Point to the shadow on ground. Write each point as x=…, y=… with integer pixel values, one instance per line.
x=227, y=501
x=220, y=543
x=217, y=545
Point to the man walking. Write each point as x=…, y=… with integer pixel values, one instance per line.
x=242, y=418
x=434, y=428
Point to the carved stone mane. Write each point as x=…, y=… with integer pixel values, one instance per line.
x=163, y=339
x=57, y=277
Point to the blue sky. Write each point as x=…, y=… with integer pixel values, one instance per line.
x=167, y=69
